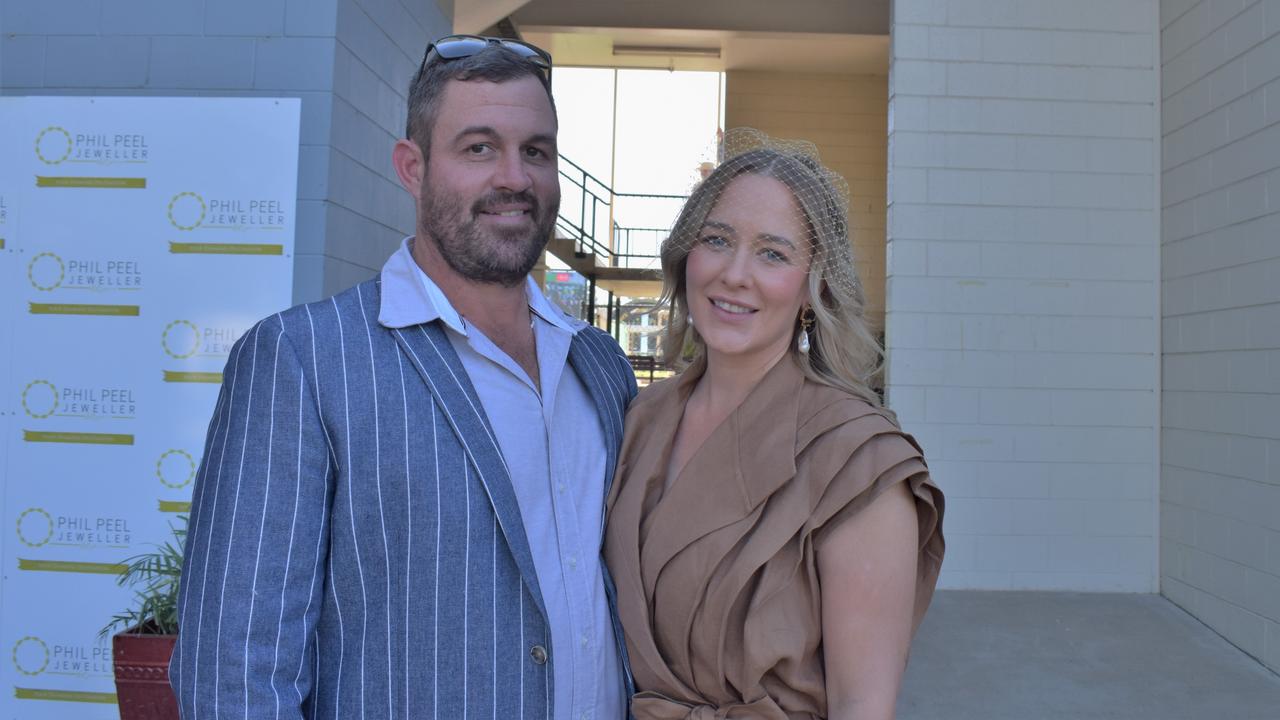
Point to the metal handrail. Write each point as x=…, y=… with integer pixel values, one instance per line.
x=659, y=196
x=589, y=201
x=594, y=205
x=582, y=170
x=624, y=244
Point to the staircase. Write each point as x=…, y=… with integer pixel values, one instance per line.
x=620, y=260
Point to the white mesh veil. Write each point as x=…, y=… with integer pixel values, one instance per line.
x=775, y=197
x=821, y=197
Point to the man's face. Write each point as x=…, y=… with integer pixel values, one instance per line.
x=491, y=191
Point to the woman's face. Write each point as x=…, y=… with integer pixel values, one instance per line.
x=746, y=276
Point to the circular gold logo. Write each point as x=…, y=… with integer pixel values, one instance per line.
x=46, y=271
x=187, y=210
x=40, y=399
x=30, y=655
x=53, y=145
x=35, y=527
x=176, y=469
x=180, y=339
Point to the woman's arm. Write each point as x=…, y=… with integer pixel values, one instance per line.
x=867, y=569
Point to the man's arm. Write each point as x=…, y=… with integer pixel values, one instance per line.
x=253, y=567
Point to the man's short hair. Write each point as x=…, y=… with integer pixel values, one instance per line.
x=492, y=64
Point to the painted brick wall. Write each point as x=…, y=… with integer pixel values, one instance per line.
x=844, y=115
x=348, y=60
x=1022, y=292
x=1220, y=490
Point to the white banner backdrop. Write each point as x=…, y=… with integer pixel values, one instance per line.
x=139, y=238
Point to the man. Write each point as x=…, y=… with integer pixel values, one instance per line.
x=399, y=510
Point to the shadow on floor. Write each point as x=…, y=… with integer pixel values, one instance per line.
x=1054, y=656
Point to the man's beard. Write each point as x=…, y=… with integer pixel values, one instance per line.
x=488, y=255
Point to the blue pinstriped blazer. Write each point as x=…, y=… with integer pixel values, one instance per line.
x=355, y=548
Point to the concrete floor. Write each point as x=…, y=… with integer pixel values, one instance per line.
x=1054, y=656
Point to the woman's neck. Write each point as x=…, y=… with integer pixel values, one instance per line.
x=729, y=379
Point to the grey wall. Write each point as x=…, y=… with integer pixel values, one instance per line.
x=378, y=46
x=349, y=61
x=1220, y=472
x=1022, y=285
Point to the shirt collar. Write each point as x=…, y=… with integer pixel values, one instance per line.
x=410, y=297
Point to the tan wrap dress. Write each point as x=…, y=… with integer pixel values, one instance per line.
x=717, y=578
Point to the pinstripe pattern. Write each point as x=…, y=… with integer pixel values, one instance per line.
x=355, y=547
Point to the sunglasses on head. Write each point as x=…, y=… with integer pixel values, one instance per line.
x=454, y=47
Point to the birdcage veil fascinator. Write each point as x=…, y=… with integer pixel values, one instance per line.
x=820, y=199
x=821, y=195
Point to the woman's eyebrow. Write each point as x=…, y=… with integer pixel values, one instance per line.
x=777, y=240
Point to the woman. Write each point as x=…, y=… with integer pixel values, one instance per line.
x=773, y=535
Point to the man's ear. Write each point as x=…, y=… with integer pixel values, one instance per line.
x=410, y=166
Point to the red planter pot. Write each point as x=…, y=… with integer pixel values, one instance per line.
x=142, y=676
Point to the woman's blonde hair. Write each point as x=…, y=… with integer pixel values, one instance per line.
x=843, y=351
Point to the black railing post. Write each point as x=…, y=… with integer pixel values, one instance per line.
x=608, y=316
x=591, y=300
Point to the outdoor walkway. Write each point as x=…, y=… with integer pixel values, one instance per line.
x=1053, y=656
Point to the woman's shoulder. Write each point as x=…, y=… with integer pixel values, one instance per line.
x=823, y=404
x=851, y=449
x=835, y=416
x=654, y=395
x=643, y=418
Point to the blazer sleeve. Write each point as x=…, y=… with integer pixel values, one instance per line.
x=257, y=541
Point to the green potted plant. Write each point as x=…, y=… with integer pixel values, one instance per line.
x=141, y=650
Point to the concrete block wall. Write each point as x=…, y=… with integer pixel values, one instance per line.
x=1220, y=490
x=379, y=46
x=348, y=60
x=1022, y=318
x=844, y=115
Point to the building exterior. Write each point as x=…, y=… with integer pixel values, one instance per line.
x=1079, y=276
x=1082, y=294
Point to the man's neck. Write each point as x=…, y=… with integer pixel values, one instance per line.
x=501, y=313
x=497, y=310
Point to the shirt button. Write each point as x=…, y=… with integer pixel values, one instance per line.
x=585, y=641
x=560, y=487
x=573, y=563
x=539, y=655
x=586, y=716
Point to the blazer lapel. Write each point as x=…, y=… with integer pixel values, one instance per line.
x=609, y=399
x=430, y=351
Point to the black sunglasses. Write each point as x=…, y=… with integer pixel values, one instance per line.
x=454, y=47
